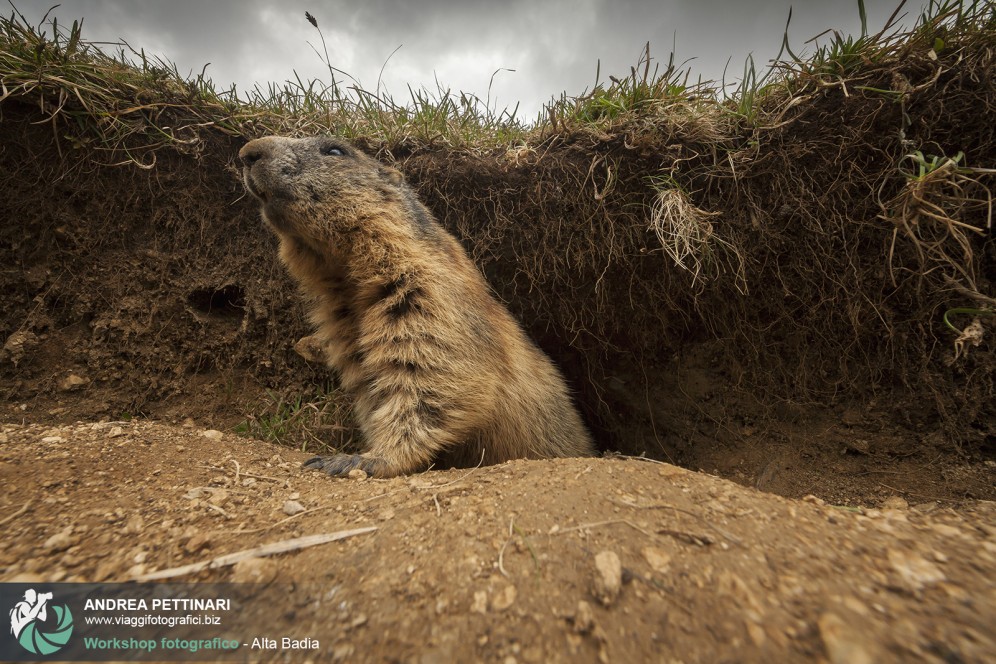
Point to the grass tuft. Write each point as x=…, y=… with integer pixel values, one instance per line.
x=316, y=423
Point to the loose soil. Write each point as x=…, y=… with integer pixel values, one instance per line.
x=508, y=563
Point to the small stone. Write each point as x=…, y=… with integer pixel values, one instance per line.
x=357, y=474
x=292, y=507
x=60, y=541
x=843, y=643
x=136, y=571
x=212, y=434
x=254, y=570
x=658, y=559
x=480, y=603
x=608, y=578
x=218, y=497
x=135, y=524
x=895, y=503
x=52, y=439
x=115, y=432
x=504, y=599
x=197, y=542
x=584, y=618
x=71, y=383
x=915, y=571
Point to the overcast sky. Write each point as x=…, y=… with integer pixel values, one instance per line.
x=553, y=46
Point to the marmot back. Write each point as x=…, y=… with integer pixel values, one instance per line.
x=440, y=370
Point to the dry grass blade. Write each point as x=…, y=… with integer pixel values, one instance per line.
x=934, y=212
x=275, y=548
x=688, y=237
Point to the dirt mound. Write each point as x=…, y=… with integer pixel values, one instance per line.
x=540, y=561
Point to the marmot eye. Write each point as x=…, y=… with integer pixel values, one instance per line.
x=332, y=151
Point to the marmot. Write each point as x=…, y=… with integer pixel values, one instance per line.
x=440, y=371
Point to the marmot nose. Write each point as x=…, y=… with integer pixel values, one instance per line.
x=250, y=156
x=253, y=151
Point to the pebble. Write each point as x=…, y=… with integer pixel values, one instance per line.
x=357, y=474
x=584, y=618
x=197, y=542
x=135, y=524
x=136, y=571
x=292, y=507
x=843, y=643
x=658, y=559
x=480, y=603
x=915, y=571
x=212, y=434
x=608, y=577
x=71, y=383
x=504, y=599
x=60, y=541
x=895, y=503
x=254, y=570
x=218, y=497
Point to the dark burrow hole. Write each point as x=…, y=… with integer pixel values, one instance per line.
x=228, y=301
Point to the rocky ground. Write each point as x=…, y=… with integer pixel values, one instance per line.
x=610, y=559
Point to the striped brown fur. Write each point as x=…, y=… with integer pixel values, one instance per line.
x=440, y=371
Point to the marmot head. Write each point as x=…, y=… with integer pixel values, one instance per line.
x=317, y=188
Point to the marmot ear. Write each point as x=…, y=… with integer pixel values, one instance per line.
x=392, y=175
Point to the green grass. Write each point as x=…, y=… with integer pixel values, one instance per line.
x=109, y=100
x=316, y=422
x=644, y=91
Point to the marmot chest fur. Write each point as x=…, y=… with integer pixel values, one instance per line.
x=439, y=369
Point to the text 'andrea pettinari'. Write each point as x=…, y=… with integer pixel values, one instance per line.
x=157, y=604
